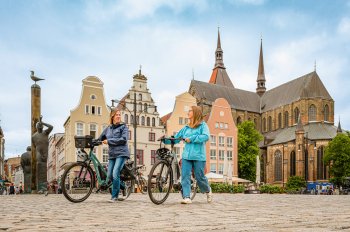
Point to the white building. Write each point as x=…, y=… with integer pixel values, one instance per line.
x=149, y=126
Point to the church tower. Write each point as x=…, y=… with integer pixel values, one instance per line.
x=260, y=89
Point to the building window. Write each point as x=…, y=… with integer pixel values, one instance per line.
x=326, y=113
x=255, y=123
x=93, y=131
x=140, y=97
x=80, y=129
x=129, y=137
x=221, y=141
x=270, y=124
x=221, y=169
x=321, y=167
x=131, y=119
x=126, y=119
x=292, y=164
x=140, y=106
x=105, y=155
x=221, y=154
x=239, y=120
x=212, y=154
x=181, y=120
x=93, y=97
x=213, y=168
x=145, y=106
x=278, y=165
x=148, y=121
x=286, y=119
x=226, y=126
x=216, y=125
x=296, y=115
x=212, y=140
x=229, y=141
x=264, y=124
x=139, y=157
x=151, y=137
x=186, y=121
x=87, y=109
x=312, y=113
x=143, y=120
x=137, y=120
x=229, y=155
x=153, y=122
x=93, y=110
x=279, y=120
x=153, y=157
x=99, y=110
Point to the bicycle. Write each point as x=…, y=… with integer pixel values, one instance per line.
x=165, y=174
x=79, y=178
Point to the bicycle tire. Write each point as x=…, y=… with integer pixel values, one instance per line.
x=84, y=181
x=141, y=184
x=129, y=184
x=156, y=182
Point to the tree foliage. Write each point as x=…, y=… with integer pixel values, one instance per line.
x=338, y=156
x=295, y=183
x=248, y=149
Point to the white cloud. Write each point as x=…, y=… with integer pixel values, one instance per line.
x=344, y=26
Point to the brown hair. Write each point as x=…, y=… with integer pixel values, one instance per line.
x=197, y=117
x=111, y=115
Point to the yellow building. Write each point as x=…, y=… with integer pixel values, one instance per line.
x=90, y=117
x=2, y=153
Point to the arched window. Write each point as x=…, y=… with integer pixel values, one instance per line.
x=131, y=119
x=279, y=120
x=312, y=113
x=278, y=165
x=148, y=121
x=137, y=120
x=140, y=106
x=326, y=113
x=296, y=115
x=255, y=123
x=270, y=124
x=126, y=119
x=286, y=119
x=239, y=120
x=264, y=124
x=153, y=122
x=292, y=164
x=140, y=97
x=143, y=120
x=321, y=166
x=145, y=107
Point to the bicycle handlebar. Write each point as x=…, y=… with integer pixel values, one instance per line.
x=170, y=138
x=96, y=142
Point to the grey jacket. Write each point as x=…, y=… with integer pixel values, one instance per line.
x=117, y=137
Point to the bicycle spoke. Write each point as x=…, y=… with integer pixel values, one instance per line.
x=159, y=182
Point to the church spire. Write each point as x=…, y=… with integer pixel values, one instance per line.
x=219, y=61
x=219, y=75
x=260, y=89
x=339, y=130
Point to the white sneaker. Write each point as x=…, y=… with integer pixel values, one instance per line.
x=186, y=201
x=210, y=196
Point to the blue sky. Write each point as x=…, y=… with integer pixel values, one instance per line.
x=66, y=41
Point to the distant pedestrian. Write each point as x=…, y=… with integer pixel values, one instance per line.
x=12, y=189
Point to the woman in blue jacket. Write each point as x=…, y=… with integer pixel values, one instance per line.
x=116, y=136
x=195, y=134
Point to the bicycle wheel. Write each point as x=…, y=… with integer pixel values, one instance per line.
x=126, y=189
x=160, y=182
x=77, y=182
x=141, y=184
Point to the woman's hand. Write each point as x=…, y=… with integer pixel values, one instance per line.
x=104, y=141
x=187, y=140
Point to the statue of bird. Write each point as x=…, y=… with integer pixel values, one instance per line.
x=34, y=78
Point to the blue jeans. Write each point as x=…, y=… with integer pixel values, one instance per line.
x=186, y=170
x=114, y=168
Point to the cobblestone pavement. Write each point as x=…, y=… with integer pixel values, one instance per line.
x=228, y=212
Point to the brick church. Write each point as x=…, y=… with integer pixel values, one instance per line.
x=295, y=118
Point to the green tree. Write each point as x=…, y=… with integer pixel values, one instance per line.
x=337, y=155
x=248, y=149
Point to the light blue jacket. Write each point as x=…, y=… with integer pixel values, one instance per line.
x=194, y=150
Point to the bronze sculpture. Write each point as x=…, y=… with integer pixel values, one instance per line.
x=41, y=141
x=26, y=163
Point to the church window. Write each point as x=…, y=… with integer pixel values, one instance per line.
x=148, y=121
x=153, y=122
x=239, y=120
x=270, y=123
x=279, y=120
x=296, y=115
x=292, y=164
x=264, y=124
x=278, y=165
x=321, y=166
x=326, y=113
x=286, y=119
x=142, y=120
x=312, y=113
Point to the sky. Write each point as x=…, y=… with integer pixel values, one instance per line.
x=174, y=41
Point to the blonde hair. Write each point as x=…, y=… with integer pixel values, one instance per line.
x=197, y=117
x=111, y=115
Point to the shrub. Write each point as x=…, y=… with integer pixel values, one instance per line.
x=295, y=183
x=226, y=188
x=271, y=189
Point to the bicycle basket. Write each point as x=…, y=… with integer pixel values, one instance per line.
x=163, y=153
x=127, y=172
x=83, y=141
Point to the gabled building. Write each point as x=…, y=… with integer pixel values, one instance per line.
x=285, y=150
